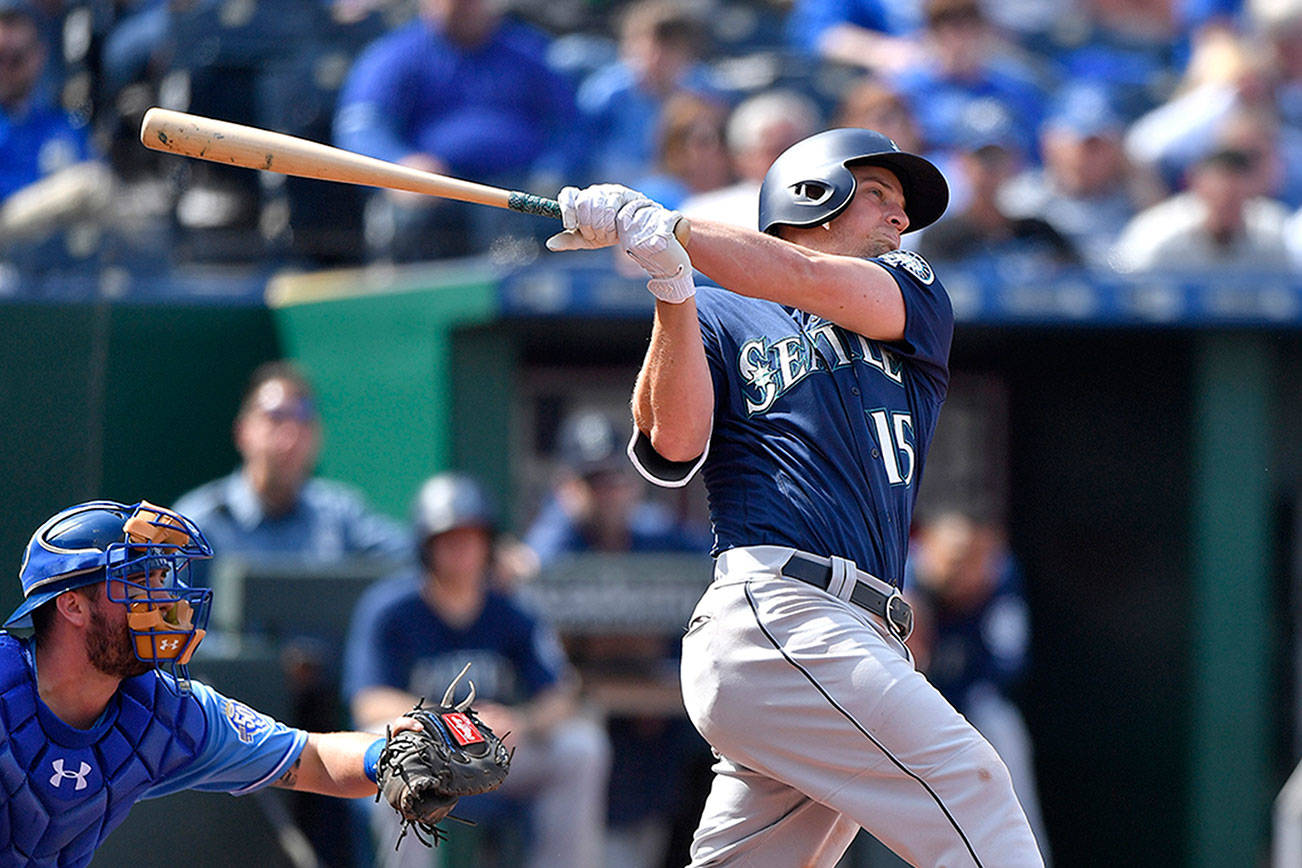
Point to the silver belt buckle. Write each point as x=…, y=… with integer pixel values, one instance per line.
x=899, y=615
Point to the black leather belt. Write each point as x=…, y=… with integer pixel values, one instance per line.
x=868, y=593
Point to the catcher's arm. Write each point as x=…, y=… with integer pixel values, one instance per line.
x=333, y=763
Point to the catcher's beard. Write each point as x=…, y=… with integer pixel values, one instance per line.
x=109, y=648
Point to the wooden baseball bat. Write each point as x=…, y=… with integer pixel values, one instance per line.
x=239, y=145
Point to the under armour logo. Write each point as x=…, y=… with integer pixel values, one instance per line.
x=56, y=779
x=169, y=644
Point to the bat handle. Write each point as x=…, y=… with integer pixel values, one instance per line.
x=528, y=203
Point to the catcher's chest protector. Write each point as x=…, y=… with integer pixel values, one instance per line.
x=65, y=789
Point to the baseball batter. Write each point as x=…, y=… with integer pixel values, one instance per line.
x=90, y=723
x=806, y=390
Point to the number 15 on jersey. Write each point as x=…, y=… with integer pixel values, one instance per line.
x=895, y=439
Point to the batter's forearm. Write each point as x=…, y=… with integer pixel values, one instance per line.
x=848, y=290
x=673, y=401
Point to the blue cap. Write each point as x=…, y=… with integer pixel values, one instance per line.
x=987, y=123
x=1086, y=111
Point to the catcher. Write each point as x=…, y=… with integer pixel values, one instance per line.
x=97, y=709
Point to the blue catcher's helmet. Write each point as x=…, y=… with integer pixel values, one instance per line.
x=142, y=553
x=810, y=182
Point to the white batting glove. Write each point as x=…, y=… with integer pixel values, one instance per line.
x=589, y=216
x=646, y=232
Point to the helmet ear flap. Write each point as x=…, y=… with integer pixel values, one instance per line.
x=820, y=196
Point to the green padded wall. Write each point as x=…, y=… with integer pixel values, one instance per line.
x=119, y=401
x=383, y=365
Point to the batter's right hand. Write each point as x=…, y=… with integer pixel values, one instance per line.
x=589, y=216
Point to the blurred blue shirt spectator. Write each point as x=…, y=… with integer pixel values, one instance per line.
x=271, y=509
x=37, y=138
x=963, y=78
x=659, y=55
x=983, y=233
x=810, y=19
x=459, y=86
x=876, y=34
x=1133, y=49
x=691, y=154
x=463, y=91
x=1084, y=189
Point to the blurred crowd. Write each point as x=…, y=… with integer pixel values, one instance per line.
x=1126, y=135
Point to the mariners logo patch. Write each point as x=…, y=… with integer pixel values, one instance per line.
x=910, y=262
x=246, y=722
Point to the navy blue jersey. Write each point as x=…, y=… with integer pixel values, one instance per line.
x=820, y=434
x=397, y=640
x=985, y=647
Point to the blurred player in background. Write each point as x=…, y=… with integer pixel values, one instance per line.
x=419, y=628
x=598, y=505
x=97, y=710
x=973, y=635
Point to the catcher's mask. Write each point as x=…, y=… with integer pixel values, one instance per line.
x=142, y=553
x=811, y=182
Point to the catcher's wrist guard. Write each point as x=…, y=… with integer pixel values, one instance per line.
x=422, y=773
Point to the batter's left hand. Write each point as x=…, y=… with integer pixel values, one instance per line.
x=646, y=232
x=589, y=216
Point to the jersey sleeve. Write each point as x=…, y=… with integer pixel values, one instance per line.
x=245, y=750
x=929, y=316
x=650, y=464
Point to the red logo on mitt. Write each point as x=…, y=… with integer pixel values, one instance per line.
x=462, y=729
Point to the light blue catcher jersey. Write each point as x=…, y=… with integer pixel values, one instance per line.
x=62, y=789
x=820, y=434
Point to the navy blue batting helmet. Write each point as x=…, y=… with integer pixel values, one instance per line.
x=449, y=501
x=810, y=182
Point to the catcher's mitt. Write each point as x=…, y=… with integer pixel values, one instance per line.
x=422, y=773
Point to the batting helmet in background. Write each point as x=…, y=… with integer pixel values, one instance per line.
x=811, y=182
x=588, y=443
x=449, y=501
